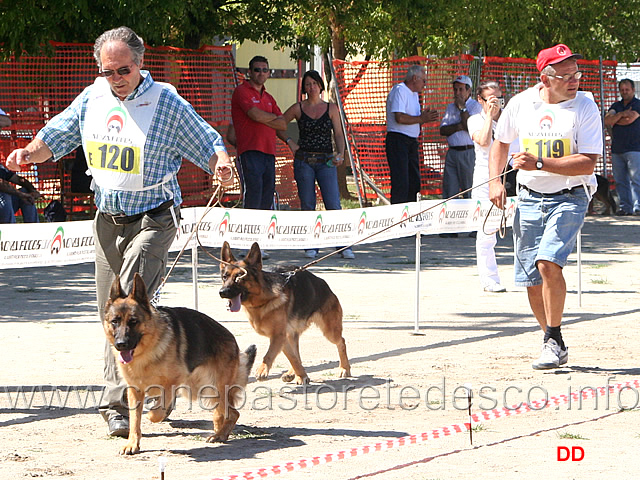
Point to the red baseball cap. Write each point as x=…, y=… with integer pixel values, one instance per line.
x=553, y=55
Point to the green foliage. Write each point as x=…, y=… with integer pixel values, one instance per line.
x=381, y=28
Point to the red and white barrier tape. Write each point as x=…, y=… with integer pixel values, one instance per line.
x=494, y=414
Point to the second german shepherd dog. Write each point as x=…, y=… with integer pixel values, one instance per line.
x=281, y=308
x=163, y=351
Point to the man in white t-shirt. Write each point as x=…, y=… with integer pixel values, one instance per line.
x=404, y=117
x=560, y=134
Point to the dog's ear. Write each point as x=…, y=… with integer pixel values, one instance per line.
x=116, y=290
x=254, y=257
x=139, y=290
x=225, y=253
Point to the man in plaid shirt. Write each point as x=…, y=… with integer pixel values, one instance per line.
x=134, y=132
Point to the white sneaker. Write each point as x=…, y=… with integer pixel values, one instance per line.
x=348, y=254
x=495, y=288
x=311, y=253
x=552, y=356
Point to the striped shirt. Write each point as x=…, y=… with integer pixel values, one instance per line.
x=176, y=131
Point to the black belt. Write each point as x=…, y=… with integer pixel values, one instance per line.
x=314, y=158
x=553, y=194
x=461, y=148
x=126, y=219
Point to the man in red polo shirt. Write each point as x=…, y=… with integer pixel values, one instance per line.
x=256, y=117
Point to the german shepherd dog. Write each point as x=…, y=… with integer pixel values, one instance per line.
x=604, y=196
x=281, y=308
x=164, y=351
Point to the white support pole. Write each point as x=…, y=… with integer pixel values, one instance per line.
x=580, y=268
x=194, y=275
x=416, y=328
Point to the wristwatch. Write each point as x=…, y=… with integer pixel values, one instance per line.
x=462, y=110
x=539, y=163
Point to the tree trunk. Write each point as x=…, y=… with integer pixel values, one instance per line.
x=339, y=52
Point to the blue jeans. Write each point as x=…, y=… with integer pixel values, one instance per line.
x=626, y=173
x=404, y=167
x=9, y=206
x=306, y=176
x=258, y=177
x=545, y=228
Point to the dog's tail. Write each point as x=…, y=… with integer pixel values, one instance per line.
x=246, y=363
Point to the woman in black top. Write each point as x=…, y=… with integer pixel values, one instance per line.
x=314, y=159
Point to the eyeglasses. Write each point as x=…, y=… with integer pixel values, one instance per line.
x=263, y=70
x=568, y=76
x=122, y=71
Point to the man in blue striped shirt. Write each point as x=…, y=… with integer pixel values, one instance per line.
x=134, y=132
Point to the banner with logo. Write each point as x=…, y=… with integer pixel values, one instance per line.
x=48, y=244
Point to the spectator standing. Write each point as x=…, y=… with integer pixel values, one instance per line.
x=560, y=134
x=622, y=118
x=256, y=118
x=460, y=159
x=147, y=128
x=14, y=199
x=481, y=127
x=404, y=117
x=313, y=156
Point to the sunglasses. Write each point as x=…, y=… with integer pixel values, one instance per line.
x=122, y=71
x=263, y=70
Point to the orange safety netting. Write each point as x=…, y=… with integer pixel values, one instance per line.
x=35, y=88
x=363, y=88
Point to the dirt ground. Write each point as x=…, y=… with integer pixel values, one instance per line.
x=402, y=383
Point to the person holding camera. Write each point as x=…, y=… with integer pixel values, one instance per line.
x=481, y=127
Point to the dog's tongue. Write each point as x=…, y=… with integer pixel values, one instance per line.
x=125, y=356
x=234, y=304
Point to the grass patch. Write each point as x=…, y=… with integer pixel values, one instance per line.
x=600, y=281
x=246, y=434
x=571, y=436
x=405, y=261
x=478, y=428
x=348, y=204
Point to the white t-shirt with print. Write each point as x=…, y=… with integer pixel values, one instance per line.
x=552, y=130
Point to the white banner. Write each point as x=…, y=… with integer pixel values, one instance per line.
x=48, y=244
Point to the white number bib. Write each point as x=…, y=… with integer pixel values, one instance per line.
x=114, y=135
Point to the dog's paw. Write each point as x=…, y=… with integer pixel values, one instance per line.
x=262, y=372
x=131, y=448
x=157, y=415
x=291, y=376
x=215, y=438
x=345, y=373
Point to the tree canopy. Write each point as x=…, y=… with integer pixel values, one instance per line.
x=378, y=28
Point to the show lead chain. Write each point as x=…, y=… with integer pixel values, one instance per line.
x=288, y=275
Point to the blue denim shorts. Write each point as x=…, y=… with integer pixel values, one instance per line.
x=545, y=228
